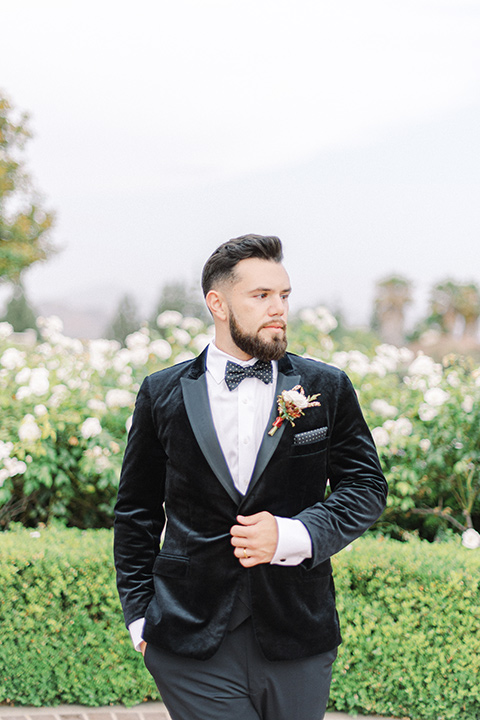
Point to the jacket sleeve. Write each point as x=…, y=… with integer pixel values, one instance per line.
x=139, y=513
x=358, y=486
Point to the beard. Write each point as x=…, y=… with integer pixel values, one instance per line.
x=254, y=345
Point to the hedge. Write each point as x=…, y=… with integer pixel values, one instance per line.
x=410, y=616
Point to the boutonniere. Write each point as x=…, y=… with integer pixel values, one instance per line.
x=291, y=404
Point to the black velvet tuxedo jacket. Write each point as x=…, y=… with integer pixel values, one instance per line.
x=174, y=468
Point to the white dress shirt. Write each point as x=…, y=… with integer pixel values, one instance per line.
x=240, y=418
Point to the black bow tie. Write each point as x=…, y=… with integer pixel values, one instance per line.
x=234, y=374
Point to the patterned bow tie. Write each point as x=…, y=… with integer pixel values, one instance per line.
x=234, y=374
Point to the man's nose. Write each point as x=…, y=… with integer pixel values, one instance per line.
x=278, y=306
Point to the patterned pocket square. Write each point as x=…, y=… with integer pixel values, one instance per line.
x=311, y=436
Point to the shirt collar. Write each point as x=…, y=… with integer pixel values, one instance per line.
x=217, y=361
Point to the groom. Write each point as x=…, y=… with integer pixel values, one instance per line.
x=235, y=612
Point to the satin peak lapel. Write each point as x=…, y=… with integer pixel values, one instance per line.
x=270, y=443
x=197, y=406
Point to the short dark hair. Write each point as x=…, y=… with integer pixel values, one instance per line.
x=220, y=266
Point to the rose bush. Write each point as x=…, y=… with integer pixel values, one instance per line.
x=66, y=407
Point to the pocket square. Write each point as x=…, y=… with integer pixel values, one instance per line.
x=310, y=436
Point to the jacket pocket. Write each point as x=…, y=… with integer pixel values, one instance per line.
x=171, y=565
x=310, y=442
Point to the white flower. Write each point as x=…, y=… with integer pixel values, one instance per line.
x=402, y=426
x=161, y=348
x=138, y=339
x=119, y=398
x=380, y=436
x=201, y=341
x=14, y=466
x=325, y=321
x=425, y=444
x=96, y=405
x=296, y=398
x=453, y=379
x=192, y=324
x=184, y=356
x=308, y=316
x=5, y=449
x=139, y=356
x=12, y=358
x=39, y=383
x=381, y=407
x=4, y=474
x=40, y=410
x=23, y=376
x=169, y=318
x=59, y=392
x=467, y=404
x=435, y=397
x=23, y=392
x=427, y=412
x=181, y=336
x=5, y=330
x=424, y=365
x=35, y=534
x=90, y=428
x=28, y=430
x=471, y=539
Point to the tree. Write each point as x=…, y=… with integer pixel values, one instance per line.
x=392, y=296
x=24, y=224
x=186, y=300
x=19, y=312
x=125, y=321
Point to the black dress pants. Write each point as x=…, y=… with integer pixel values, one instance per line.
x=237, y=683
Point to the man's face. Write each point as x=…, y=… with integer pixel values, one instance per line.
x=258, y=308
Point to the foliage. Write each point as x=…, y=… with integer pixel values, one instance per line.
x=24, y=225
x=406, y=609
x=19, y=313
x=66, y=406
x=408, y=613
x=178, y=296
x=63, y=638
x=125, y=320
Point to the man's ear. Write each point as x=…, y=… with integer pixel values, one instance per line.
x=217, y=304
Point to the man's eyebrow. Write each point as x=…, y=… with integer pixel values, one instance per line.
x=262, y=289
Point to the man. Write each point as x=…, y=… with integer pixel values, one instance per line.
x=236, y=612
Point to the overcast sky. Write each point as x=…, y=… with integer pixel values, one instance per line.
x=161, y=129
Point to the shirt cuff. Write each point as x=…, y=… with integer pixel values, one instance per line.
x=136, y=632
x=294, y=542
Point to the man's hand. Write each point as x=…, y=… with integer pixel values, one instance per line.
x=255, y=538
x=143, y=646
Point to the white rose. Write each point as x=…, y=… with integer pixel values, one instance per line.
x=381, y=407
x=90, y=428
x=5, y=330
x=380, y=436
x=192, y=324
x=169, y=318
x=471, y=539
x=467, y=404
x=12, y=358
x=39, y=383
x=296, y=398
x=136, y=340
x=40, y=410
x=425, y=444
x=28, y=430
x=119, y=398
x=5, y=449
x=427, y=412
x=181, y=336
x=161, y=348
x=435, y=397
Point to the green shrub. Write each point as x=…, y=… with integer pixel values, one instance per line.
x=410, y=616
x=63, y=639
